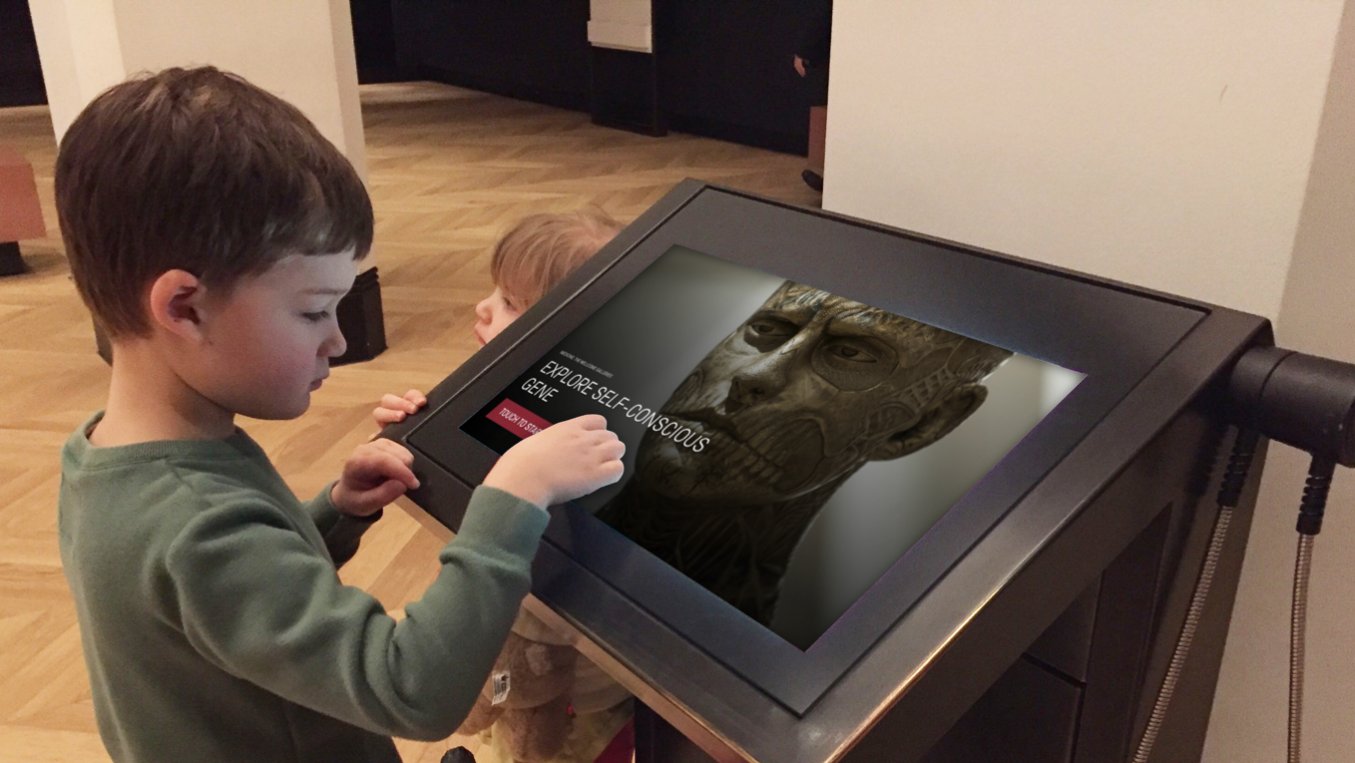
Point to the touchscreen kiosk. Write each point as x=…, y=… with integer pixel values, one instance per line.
x=874, y=484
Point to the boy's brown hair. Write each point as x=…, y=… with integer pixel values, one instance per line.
x=542, y=249
x=198, y=170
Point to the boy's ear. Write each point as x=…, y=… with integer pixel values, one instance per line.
x=175, y=301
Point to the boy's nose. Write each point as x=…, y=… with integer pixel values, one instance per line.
x=335, y=345
x=482, y=310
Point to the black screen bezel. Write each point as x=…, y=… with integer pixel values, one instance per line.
x=1113, y=336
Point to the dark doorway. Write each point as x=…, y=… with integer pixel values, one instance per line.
x=374, y=42
x=20, y=70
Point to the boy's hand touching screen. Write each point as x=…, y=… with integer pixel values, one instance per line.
x=561, y=462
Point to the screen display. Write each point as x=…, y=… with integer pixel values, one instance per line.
x=784, y=445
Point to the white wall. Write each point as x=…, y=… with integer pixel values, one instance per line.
x=1161, y=143
x=1315, y=316
x=1199, y=147
x=80, y=54
x=621, y=24
x=301, y=50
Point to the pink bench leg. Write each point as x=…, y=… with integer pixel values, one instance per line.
x=20, y=213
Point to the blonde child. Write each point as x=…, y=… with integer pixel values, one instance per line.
x=537, y=253
x=212, y=230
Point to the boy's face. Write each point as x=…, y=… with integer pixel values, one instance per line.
x=268, y=343
x=493, y=314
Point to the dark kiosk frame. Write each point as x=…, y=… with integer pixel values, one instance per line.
x=702, y=653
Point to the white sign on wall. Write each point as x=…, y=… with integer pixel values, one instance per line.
x=621, y=24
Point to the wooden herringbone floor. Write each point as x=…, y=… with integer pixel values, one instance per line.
x=449, y=170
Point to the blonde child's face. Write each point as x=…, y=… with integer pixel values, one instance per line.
x=493, y=314
x=270, y=340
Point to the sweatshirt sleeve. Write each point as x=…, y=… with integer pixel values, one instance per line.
x=342, y=533
x=259, y=602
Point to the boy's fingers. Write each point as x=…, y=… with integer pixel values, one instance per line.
x=613, y=450
x=606, y=440
x=384, y=415
x=376, y=447
x=384, y=493
x=398, y=472
x=612, y=471
x=395, y=468
x=592, y=421
x=417, y=398
x=379, y=462
x=399, y=403
x=395, y=449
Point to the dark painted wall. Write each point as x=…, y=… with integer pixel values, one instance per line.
x=374, y=42
x=530, y=49
x=724, y=65
x=20, y=70
x=725, y=70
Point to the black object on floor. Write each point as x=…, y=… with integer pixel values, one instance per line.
x=361, y=321
x=813, y=180
x=457, y=755
x=11, y=263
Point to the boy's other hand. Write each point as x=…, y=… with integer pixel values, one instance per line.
x=561, y=462
x=377, y=473
x=394, y=408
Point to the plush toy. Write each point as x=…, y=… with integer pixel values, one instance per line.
x=543, y=703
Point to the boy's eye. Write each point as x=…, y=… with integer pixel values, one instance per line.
x=316, y=317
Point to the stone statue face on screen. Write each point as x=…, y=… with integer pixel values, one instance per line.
x=802, y=394
x=806, y=391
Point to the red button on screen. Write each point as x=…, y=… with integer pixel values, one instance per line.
x=517, y=419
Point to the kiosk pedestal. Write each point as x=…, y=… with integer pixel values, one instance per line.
x=886, y=497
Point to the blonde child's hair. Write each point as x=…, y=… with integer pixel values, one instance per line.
x=542, y=249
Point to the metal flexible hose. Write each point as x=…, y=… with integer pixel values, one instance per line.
x=1230, y=493
x=1298, y=620
x=1187, y=637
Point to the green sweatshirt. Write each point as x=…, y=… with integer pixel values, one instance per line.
x=215, y=627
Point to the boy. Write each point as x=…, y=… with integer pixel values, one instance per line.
x=212, y=230
x=536, y=254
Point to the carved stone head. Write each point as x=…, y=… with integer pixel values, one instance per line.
x=806, y=391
